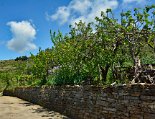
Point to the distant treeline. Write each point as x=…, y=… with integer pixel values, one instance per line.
x=22, y=58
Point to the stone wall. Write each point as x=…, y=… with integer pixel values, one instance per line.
x=90, y=102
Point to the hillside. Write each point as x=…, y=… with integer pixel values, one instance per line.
x=9, y=69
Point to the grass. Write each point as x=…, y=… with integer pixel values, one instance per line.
x=9, y=69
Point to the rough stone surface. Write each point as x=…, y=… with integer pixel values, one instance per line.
x=90, y=102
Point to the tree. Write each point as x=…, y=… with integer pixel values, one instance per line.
x=138, y=30
x=22, y=58
x=40, y=65
x=96, y=52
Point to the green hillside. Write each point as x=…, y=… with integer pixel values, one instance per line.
x=9, y=71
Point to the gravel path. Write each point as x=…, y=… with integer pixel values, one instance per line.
x=14, y=108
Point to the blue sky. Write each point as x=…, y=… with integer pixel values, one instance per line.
x=25, y=24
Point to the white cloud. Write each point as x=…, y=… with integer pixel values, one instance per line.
x=81, y=6
x=62, y=14
x=130, y=4
x=131, y=1
x=85, y=10
x=23, y=34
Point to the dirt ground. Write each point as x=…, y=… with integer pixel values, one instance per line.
x=14, y=108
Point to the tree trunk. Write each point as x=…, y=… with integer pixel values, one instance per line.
x=104, y=72
x=137, y=70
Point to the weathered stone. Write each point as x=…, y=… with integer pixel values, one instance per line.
x=149, y=116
